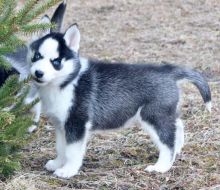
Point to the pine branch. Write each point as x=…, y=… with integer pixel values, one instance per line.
x=4, y=64
x=35, y=28
x=9, y=6
x=6, y=49
x=19, y=107
x=6, y=119
x=18, y=22
x=14, y=42
x=10, y=87
x=40, y=10
x=14, y=124
x=2, y=6
x=7, y=166
x=29, y=5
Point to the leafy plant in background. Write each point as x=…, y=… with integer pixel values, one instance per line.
x=13, y=124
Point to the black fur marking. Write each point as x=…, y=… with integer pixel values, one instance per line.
x=37, y=56
x=78, y=114
x=64, y=51
x=198, y=80
x=73, y=75
x=121, y=90
x=110, y=94
x=58, y=17
x=163, y=119
x=4, y=74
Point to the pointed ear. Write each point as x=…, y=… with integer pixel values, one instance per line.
x=57, y=17
x=72, y=37
x=44, y=20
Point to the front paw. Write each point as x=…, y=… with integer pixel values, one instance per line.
x=32, y=128
x=65, y=172
x=52, y=165
x=157, y=168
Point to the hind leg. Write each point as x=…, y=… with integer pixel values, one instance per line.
x=162, y=129
x=179, y=135
x=166, y=149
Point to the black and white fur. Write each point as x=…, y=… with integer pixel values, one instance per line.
x=81, y=96
x=20, y=63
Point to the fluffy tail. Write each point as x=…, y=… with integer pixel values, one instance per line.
x=198, y=80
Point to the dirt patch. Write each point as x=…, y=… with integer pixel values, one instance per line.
x=181, y=32
x=150, y=31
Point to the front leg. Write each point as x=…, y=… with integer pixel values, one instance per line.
x=74, y=151
x=36, y=110
x=59, y=161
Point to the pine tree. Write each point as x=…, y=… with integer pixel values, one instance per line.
x=14, y=123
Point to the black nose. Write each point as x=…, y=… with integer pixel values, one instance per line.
x=39, y=74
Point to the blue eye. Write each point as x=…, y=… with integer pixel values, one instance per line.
x=37, y=56
x=56, y=63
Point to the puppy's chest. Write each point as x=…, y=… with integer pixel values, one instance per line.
x=56, y=104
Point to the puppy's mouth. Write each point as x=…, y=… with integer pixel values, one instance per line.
x=37, y=80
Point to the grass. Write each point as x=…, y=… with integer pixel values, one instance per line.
x=135, y=31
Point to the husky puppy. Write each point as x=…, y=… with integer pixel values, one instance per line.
x=80, y=96
x=20, y=65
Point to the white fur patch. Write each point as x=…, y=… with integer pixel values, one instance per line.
x=49, y=49
x=72, y=38
x=209, y=106
x=59, y=161
x=56, y=103
x=32, y=128
x=74, y=154
x=165, y=160
x=181, y=81
x=179, y=141
x=36, y=109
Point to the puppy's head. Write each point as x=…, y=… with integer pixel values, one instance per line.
x=54, y=57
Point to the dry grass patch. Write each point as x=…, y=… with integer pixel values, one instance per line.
x=134, y=31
